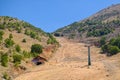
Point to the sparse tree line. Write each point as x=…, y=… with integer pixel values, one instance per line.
x=13, y=24
x=92, y=28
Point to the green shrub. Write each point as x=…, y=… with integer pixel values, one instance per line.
x=102, y=41
x=2, y=26
x=4, y=60
x=19, y=29
x=115, y=42
x=112, y=41
x=9, y=42
x=36, y=48
x=26, y=54
x=33, y=35
x=17, y=47
x=1, y=35
x=27, y=32
x=17, y=59
x=34, y=54
x=6, y=76
x=113, y=50
x=10, y=36
x=51, y=40
x=104, y=48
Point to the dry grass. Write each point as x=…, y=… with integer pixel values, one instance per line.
x=70, y=63
x=18, y=37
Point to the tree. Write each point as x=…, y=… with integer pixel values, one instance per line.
x=36, y=48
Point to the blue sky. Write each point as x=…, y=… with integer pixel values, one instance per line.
x=50, y=15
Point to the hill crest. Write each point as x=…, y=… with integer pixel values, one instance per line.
x=104, y=23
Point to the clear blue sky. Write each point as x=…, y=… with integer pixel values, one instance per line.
x=50, y=15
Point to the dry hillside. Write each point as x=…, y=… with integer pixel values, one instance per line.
x=16, y=40
x=70, y=63
x=104, y=23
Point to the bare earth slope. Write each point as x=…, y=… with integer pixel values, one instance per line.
x=70, y=63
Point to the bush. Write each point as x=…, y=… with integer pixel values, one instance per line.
x=27, y=32
x=34, y=54
x=104, y=48
x=17, y=47
x=1, y=35
x=26, y=54
x=36, y=48
x=19, y=29
x=33, y=35
x=10, y=36
x=115, y=42
x=102, y=41
x=2, y=26
x=113, y=50
x=4, y=60
x=17, y=59
x=6, y=76
x=51, y=40
x=9, y=42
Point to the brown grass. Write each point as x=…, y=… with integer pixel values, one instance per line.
x=70, y=63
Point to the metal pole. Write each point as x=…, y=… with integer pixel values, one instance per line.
x=89, y=61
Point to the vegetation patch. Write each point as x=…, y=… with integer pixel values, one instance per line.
x=36, y=48
x=112, y=47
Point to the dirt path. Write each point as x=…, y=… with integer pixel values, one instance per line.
x=70, y=63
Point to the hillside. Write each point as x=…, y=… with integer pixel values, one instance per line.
x=104, y=23
x=16, y=40
x=70, y=63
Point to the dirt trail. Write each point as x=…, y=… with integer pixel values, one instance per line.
x=70, y=63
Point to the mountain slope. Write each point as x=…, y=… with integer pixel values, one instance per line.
x=16, y=40
x=104, y=23
x=70, y=63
